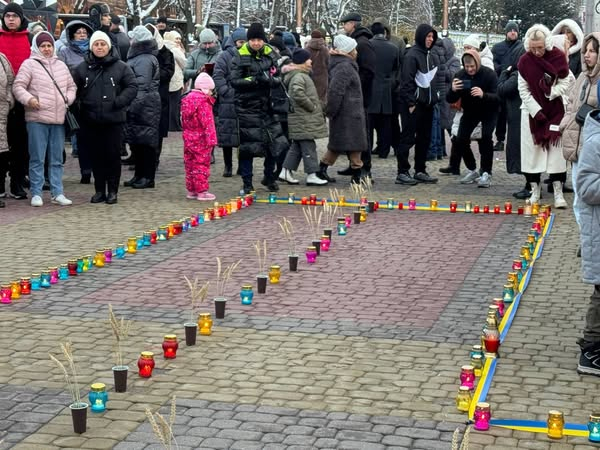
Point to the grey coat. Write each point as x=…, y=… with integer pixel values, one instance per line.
x=347, y=127
x=587, y=186
x=69, y=53
x=307, y=121
x=227, y=124
x=143, y=115
x=197, y=59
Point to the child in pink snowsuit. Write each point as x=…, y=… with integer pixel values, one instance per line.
x=199, y=136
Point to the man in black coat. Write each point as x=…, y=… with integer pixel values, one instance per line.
x=100, y=19
x=501, y=52
x=122, y=39
x=380, y=107
x=366, y=71
x=416, y=98
x=475, y=86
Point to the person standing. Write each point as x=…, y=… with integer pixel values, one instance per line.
x=204, y=57
x=501, y=52
x=475, y=86
x=143, y=115
x=227, y=124
x=199, y=137
x=319, y=55
x=347, y=129
x=544, y=81
x=416, y=98
x=44, y=85
x=173, y=43
x=380, y=108
x=120, y=36
x=106, y=86
x=253, y=72
x=161, y=25
x=366, y=61
x=574, y=35
x=14, y=44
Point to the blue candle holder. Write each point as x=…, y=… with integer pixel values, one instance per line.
x=201, y=218
x=98, y=397
x=63, y=272
x=162, y=234
x=291, y=198
x=89, y=263
x=508, y=294
x=120, y=251
x=36, y=281
x=341, y=227
x=80, y=265
x=246, y=294
x=146, y=239
x=272, y=198
x=594, y=428
x=139, y=242
x=186, y=224
x=45, y=280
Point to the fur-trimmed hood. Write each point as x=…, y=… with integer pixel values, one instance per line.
x=594, y=35
x=538, y=27
x=575, y=28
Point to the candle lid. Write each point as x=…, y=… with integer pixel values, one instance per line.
x=312, y=247
x=147, y=355
x=555, y=413
x=469, y=367
x=477, y=356
x=275, y=266
x=35, y=275
x=464, y=389
x=477, y=347
x=170, y=337
x=247, y=287
x=325, y=236
x=98, y=387
x=595, y=417
x=25, y=279
x=204, y=315
x=52, y=268
x=482, y=405
x=493, y=307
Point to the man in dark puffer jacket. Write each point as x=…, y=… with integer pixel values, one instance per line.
x=252, y=77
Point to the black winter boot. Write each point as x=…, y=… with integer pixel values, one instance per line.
x=322, y=173
x=347, y=172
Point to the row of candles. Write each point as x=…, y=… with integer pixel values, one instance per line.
x=45, y=279
x=528, y=209
x=490, y=343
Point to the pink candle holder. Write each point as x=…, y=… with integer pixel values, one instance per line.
x=53, y=274
x=500, y=304
x=467, y=377
x=5, y=294
x=412, y=204
x=108, y=255
x=311, y=255
x=312, y=199
x=348, y=220
x=325, y=243
x=482, y=416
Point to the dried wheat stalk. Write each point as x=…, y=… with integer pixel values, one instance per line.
x=465, y=442
x=224, y=276
x=197, y=294
x=358, y=190
x=261, y=254
x=120, y=329
x=70, y=374
x=367, y=182
x=465, y=439
x=163, y=429
x=288, y=232
x=330, y=212
x=313, y=219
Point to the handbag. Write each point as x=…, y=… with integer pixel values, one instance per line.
x=71, y=125
x=281, y=102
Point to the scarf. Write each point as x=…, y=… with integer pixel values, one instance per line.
x=81, y=46
x=541, y=74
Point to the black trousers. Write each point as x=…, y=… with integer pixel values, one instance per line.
x=16, y=134
x=416, y=130
x=382, y=123
x=175, y=110
x=462, y=144
x=537, y=177
x=501, y=123
x=104, y=144
x=145, y=160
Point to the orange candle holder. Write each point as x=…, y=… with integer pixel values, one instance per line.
x=205, y=324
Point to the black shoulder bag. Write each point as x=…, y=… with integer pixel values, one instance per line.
x=71, y=125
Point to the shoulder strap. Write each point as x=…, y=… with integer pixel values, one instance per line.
x=54, y=81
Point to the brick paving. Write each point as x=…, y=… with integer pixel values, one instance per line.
x=361, y=350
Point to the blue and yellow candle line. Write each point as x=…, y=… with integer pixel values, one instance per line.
x=535, y=426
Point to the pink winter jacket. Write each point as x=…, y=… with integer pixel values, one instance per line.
x=33, y=81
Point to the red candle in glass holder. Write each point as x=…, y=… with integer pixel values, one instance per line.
x=304, y=201
x=194, y=220
x=486, y=209
x=491, y=344
x=153, y=236
x=376, y=206
x=211, y=213
x=400, y=205
x=170, y=346
x=313, y=199
x=496, y=209
x=72, y=266
x=476, y=209
x=239, y=202
x=520, y=210
x=453, y=206
x=146, y=364
x=507, y=208
x=26, y=284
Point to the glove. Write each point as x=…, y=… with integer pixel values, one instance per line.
x=540, y=117
x=262, y=78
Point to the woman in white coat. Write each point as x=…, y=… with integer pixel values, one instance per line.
x=173, y=42
x=544, y=83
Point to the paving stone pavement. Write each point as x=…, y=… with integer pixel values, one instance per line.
x=361, y=351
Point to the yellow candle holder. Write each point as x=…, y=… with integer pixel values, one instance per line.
x=535, y=209
x=15, y=290
x=556, y=424
x=433, y=205
x=512, y=278
x=170, y=230
x=525, y=253
x=206, y=215
x=341, y=201
x=99, y=258
x=132, y=245
x=205, y=324
x=87, y=260
x=274, y=274
x=363, y=213
x=463, y=399
x=228, y=208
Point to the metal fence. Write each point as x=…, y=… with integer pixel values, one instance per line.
x=458, y=38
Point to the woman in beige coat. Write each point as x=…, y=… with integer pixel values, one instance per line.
x=6, y=103
x=585, y=91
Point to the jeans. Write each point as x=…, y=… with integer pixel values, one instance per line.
x=306, y=150
x=576, y=211
x=46, y=138
x=591, y=332
x=246, y=169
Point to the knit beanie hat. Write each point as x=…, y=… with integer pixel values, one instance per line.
x=343, y=43
x=204, y=82
x=141, y=33
x=43, y=36
x=256, y=31
x=316, y=34
x=473, y=41
x=207, y=35
x=510, y=26
x=289, y=40
x=100, y=36
x=239, y=34
x=17, y=9
x=300, y=56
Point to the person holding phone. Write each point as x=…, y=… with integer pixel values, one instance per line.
x=475, y=86
x=544, y=82
x=203, y=59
